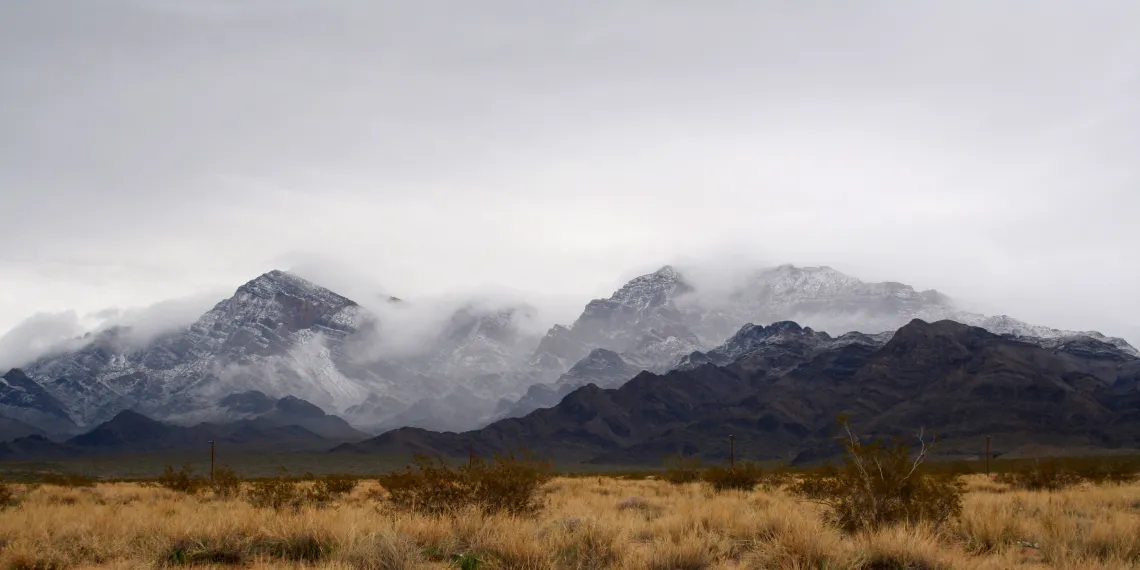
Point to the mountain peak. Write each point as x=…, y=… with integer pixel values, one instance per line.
x=277, y=281
x=652, y=289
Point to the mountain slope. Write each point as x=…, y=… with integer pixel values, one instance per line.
x=657, y=321
x=23, y=399
x=11, y=429
x=282, y=336
x=286, y=425
x=278, y=335
x=780, y=400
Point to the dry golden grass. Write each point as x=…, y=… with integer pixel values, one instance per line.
x=588, y=523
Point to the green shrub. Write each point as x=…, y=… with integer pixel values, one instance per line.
x=776, y=479
x=67, y=480
x=1054, y=474
x=275, y=493
x=182, y=481
x=329, y=488
x=507, y=484
x=226, y=483
x=681, y=470
x=1108, y=470
x=743, y=476
x=428, y=485
x=880, y=484
x=7, y=495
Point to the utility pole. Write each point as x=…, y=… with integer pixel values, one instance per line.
x=470, y=455
x=987, y=456
x=731, y=453
x=211, y=460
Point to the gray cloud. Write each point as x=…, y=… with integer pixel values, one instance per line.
x=158, y=149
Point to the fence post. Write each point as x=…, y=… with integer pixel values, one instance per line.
x=731, y=453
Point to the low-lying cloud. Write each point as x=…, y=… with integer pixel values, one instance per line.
x=44, y=334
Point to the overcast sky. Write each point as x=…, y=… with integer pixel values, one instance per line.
x=156, y=149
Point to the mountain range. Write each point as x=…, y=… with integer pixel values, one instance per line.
x=275, y=426
x=283, y=338
x=779, y=389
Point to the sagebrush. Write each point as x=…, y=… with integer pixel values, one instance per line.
x=182, y=481
x=225, y=483
x=68, y=480
x=275, y=493
x=681, y=470
x=743, y=476
x=329, y=488
x=508, y=483
x=7, y=495
x=1056, y=473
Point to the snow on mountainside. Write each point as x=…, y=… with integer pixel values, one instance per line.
x=274, y=335
x=660, y=321
x=832, y=301
x=279, y=335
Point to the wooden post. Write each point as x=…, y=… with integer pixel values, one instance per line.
x=470, y=455
x=987, y=456
x=211, y=460
x=731, y=452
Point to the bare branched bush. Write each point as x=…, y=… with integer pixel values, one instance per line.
x=506, y=484
x=880, y=484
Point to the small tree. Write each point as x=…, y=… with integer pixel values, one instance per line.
x=880, y=484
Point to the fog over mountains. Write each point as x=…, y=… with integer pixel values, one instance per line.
x=382, y=362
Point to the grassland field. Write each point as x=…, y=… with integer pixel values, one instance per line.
x=623, y=521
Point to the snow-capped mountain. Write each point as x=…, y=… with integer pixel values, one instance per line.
x=781, y=335
x=660, y=321
x=279, y=335
x=283, y=336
